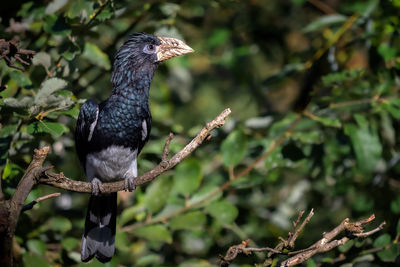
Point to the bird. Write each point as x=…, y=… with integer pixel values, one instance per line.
x=109, y=136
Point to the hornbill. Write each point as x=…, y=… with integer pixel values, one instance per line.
x=109, y=136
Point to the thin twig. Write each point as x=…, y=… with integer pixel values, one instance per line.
x=166, y=147
x=326, y=243
x=296, y=233
x=356, y=229
x=33, y=203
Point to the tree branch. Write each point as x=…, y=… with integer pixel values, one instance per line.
x=326, y=243
x=33, y=203
x=60, y=181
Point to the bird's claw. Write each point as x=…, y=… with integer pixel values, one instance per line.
x=97, y=186
x=129, y=184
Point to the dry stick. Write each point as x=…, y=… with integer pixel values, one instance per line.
x=60, y=181
x=325, y=244
x=33, y=203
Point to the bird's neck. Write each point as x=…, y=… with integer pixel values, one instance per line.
x=133, y=84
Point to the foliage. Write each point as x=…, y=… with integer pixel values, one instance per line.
x=338, y=153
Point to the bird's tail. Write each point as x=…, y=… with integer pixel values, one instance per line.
x=98, y=238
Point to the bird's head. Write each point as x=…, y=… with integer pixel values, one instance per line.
x=143, y=52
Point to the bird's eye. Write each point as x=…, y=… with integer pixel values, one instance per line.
x=149, y=49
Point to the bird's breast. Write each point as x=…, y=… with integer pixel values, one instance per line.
x=112, y=163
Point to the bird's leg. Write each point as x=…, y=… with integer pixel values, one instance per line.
x=129, y=184
x=97, y=186
x=130, y=177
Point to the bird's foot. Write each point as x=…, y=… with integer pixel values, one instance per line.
x=97, y=186
x=129, y=184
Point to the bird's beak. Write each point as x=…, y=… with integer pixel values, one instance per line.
x=171, y=47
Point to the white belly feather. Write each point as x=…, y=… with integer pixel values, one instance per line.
x=113, y=163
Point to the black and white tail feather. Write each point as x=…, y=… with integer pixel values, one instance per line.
x=98, y=238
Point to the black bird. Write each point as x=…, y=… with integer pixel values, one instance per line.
x=110, y=136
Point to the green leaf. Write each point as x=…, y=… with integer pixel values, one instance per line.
x=203, y=193
x=327, y=121
x=191, y=221
x=157, y=194
x=388, y=254
x=154, y=233
x=69, y=243
x=398, y=227
x=54, y=6
x=346, y=247
x=195, y=242
x=37, y=246
x=11, y=170
x=311, y=263
x=21, y=78
x=151, y=259
x=104, y=15
x=55, y=24
x=31, y=259
x=395, y=205
x=93, y=53
x=218, y=37
x=48, y=88
x=393, y=106
x=130, y=213
x=122, y=241
x=386, y=51
x=42, y=58
x=366, y=143
x=53, y=128
x=339, y=77
x=80, y=8
x=57, y=224
x=382, y=241
x=325, y=21
x=362, y=203
x=233, y=148
x=223, y=211
x=187, y=176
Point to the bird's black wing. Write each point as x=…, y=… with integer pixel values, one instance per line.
x=85, y=125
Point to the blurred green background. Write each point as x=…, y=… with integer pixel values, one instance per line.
x=321, y=78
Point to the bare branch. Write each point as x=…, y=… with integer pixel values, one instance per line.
x=33, y=203
x=60, y=181
x=326, y=243
x=166, y=147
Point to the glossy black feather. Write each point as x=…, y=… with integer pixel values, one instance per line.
x=123, y=120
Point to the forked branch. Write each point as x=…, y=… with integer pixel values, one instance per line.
x=326, y=243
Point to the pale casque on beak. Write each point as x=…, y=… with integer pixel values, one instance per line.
x=171, y=47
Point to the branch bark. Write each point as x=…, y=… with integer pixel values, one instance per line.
x=11, y=209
